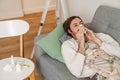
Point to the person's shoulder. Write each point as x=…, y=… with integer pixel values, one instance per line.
x=69, y=42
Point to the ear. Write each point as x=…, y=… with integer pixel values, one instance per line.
x=69, y=31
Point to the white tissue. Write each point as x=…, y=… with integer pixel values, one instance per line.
x=7, y=68
x=12, y=66
x=18, y=68
x=12, y=61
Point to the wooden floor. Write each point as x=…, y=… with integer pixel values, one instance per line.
x=10, y=46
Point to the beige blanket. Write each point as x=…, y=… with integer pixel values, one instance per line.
x=107, y=66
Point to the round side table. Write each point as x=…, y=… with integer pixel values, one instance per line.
x=26, y=69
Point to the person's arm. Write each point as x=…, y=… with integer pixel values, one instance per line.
x=81, y=40
x=73, y=60
x=109, y=45
x=91, y=36
x=81, y=48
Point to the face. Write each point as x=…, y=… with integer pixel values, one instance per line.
x=75, y=26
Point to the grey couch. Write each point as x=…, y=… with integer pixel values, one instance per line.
x=106, y=19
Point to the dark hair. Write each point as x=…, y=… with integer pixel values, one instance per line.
x=66, y=24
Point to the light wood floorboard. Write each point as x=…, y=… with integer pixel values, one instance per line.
x=10, y=46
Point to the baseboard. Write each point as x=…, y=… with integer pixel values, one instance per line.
x=11, y=15
x=38, y=9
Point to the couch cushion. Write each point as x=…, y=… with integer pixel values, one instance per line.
x=64, y=37
x=51, y=44
x=107, y=20
x=55, y=70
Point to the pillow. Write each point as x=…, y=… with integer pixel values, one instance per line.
x=64, y=37
x=51, y=44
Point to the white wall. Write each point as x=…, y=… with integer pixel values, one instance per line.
x=10, y=9
x=17, y=8
x=86, y=8
x=83, y=8
x=32, y=6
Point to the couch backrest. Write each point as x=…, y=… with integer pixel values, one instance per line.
x=107, y=20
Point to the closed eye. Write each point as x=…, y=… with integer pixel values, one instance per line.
x=75, y=24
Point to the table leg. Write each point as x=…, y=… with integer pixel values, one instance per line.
x=32, y=76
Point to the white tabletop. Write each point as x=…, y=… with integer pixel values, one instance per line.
x=13, y=28
x=13, y=75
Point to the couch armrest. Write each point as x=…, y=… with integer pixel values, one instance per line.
x=37, y=49
x=39, y=37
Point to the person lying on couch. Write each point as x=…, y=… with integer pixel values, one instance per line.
x=88, y=53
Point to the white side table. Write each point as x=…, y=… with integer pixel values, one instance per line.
x=26, y=71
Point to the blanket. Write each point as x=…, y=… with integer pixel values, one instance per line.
x=107, y=66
